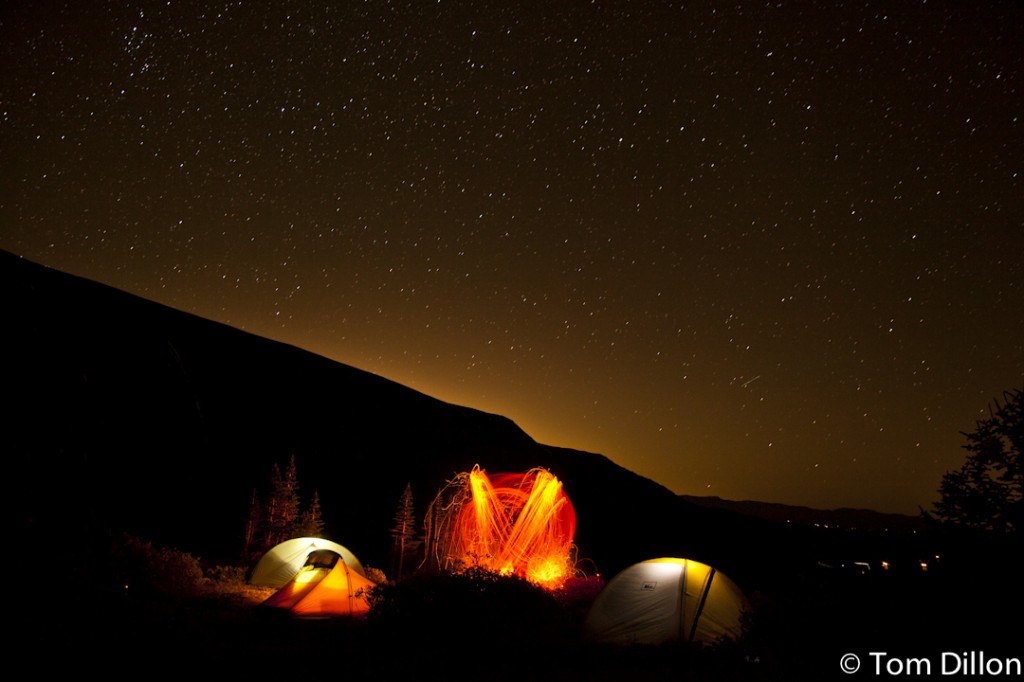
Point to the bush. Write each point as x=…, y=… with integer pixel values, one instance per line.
x=145, y=569
x=476, y=607
x=227, y=576
x=375, y=574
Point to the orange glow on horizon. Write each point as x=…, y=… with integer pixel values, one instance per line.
x=512, y=524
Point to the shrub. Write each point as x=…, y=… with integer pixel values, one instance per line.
x=143, y=568
x=474, y=607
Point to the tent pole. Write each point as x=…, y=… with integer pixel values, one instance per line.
x=700, y=605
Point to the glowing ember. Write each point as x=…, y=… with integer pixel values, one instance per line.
x=520, y=524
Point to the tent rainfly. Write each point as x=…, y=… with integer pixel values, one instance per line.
x=667, y=600
x=324, y=586
x=283, y=561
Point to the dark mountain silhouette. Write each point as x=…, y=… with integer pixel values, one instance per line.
x=129, y=415
x=844, y=518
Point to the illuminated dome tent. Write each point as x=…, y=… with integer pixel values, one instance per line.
x=283, y=561
x=513, y=524
x=667, y=600
x=324, y=586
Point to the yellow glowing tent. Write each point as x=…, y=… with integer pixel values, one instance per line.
x=282, y=562
x=667, y=600
x=324, y=586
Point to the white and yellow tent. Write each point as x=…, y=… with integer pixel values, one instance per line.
x=667, y=600
x=283, y=561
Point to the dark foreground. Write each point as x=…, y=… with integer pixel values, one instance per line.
x=895, y=623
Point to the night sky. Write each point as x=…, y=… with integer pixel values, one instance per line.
x=756, y=250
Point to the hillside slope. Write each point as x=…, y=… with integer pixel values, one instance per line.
x=161, y=423
x=136, y=417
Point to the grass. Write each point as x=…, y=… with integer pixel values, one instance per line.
x=177, y=615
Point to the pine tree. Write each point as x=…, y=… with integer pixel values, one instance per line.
x=272, y=509
x=987, y=492
x=290, y=508
x=312, y=523
x=280, y=516
x=288, y=496
x=282, y=508
x=252, y=524
x=403, y=532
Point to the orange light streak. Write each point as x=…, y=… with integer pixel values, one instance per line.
x=513, y=524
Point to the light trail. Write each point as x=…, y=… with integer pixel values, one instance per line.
x=512, y=524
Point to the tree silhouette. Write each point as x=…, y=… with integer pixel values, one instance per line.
x=279, y=516
x=986, y=492
x=311, y=523
x=282, y=506
x=252, y=522
x=403, y=532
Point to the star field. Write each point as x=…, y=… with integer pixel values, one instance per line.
x=758, y=250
